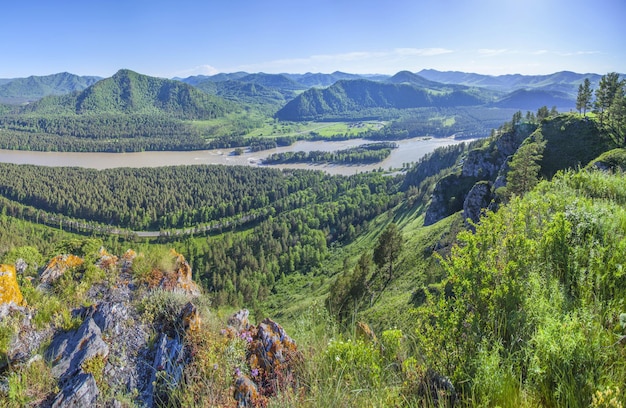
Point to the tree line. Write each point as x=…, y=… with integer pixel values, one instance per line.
x=363, y=154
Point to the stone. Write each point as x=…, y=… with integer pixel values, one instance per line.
x=476, y=201
x=167, y=367
x=246, y=392
x=109, y=316
x=81, y=391
x=177, y=280
x=438, y=389
x=365, y=333
x=57, y=267
x=190, y=318
x=9, y=289
x=106, y=261
x=68, y=351
x=239, y=321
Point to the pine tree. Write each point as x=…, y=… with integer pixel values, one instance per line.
x=524, y=168
x=605, y=94
x=583, y=100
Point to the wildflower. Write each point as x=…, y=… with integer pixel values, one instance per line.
x=215, y=366
x=237, y=372
x=337, y=358
x=254, y=372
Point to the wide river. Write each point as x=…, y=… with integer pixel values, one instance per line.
x=409, y=150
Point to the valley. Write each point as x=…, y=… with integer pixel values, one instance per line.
x=477, y=262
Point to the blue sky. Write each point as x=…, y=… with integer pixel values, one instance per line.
x=191, y=37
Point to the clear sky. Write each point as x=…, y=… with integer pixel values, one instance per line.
x=190, y=37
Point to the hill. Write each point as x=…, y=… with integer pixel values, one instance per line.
x=21, y=90
x=530, y=99
x=362, y=98
x=128, y=92
x=564, y=81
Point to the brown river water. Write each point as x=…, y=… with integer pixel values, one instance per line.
x=409, y=150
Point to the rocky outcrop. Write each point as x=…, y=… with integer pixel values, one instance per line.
x=177, y=280
x=477, y=200
x=68, y=351
x=483, y=164
x=9, y=289
x=57, y=267
x=271, y=358
x=81, y=391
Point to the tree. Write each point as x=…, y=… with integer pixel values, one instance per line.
x=542, y=113
x=388, y=249
x=583, y=100
x=524, y=168
x=617, y=116
x=605, y=94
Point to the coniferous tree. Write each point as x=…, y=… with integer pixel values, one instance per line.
x=605, y=94
x=524, y=167
x=583, y=100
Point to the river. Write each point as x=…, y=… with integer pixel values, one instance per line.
x=409, y=150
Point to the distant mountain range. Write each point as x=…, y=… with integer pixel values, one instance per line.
x=290, y=96
x=564, y=81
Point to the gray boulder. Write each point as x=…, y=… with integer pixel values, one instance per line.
x=81, y=391
x=68, y=351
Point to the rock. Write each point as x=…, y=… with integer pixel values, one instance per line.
x=81, y=391
x=167, y=368
x=57, y=267
x=246, y=392
x=9, y=289
x=365, y=333
x=438, y=389
x=476, y=201
x=190, y=318
x=106, y=261
x=239, y=321
x=110, y=316
x=127, y=260
x=272, y=355
x=68, y=351
x=177, y=280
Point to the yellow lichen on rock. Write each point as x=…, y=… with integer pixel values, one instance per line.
x=9, y=289
x=57, y=267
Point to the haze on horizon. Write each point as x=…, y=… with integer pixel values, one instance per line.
x=192, y=37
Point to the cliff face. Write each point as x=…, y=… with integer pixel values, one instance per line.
x=481, y=165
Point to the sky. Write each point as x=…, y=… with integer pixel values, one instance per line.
x=203, y=37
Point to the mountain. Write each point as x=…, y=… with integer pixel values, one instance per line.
x=194, y=80
x=128, y=92
x=246, y=92
x=20, y=90
x=277, y=81
x=354, y=98
x=530, y=99
x=564, y=81
x=321, y=80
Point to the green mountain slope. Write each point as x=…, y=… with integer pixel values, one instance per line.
x=128, y=92
x=20, y=90
x=359, y=98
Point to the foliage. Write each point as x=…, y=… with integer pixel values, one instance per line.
x=362, y=154
x=524, y=167
x=540, y=280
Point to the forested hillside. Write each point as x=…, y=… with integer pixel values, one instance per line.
x=358, y=99
x=21, y=90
